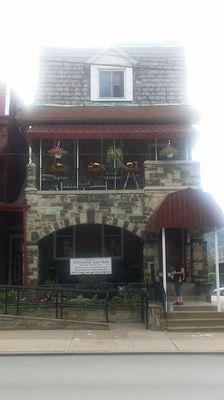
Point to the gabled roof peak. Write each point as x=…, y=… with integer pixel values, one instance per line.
x=109, y=53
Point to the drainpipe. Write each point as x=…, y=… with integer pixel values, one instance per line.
x=25, y=266
x=217, y=270
x=164, y=263
x=40, y=162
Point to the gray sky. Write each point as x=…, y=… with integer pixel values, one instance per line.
x=26, y=25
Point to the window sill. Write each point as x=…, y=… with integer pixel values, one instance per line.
x=112, y=99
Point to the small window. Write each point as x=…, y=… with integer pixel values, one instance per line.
x=111, y=83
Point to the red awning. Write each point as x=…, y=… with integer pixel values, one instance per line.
x=111, y=131
x=189, y=208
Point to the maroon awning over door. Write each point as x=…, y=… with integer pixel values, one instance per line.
x=189, y=208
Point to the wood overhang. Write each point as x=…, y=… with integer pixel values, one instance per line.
x=107, y=114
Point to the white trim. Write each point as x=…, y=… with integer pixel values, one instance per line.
x=128, y=83
x=121, y=52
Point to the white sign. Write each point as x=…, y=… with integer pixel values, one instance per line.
x=90, y=266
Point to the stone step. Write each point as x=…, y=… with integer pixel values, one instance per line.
x=199, y=323
x=171, y=298
x=195, y=307
x=214, y=328
x=194, y=315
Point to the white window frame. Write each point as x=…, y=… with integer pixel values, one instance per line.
x=128, y=83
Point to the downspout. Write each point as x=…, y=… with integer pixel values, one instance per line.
x=164, y=263
x=25, y=265
x=217, y=270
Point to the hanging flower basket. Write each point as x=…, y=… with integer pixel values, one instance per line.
x=168, y=151
x=57, y=151
x=95, y=166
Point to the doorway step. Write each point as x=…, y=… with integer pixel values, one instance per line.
x=198, y=317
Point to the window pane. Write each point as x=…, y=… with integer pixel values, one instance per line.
x=88, y=241
x=118, y=84
x=112, y=241
x=105, y=83
x=64, y=243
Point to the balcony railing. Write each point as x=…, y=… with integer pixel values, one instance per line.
x=157, y=174
x=91, y=180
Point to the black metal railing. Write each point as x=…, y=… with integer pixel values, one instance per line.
x=53, y=302
x=84, y=179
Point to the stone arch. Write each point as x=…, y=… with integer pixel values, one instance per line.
x=88, y=217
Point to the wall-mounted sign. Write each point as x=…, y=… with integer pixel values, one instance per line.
x=90, y=266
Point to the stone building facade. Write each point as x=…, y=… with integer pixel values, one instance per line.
x=147, y=107
x=130, y=210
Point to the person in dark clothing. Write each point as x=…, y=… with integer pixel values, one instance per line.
x=178, y=275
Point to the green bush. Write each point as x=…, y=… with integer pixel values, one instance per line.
x=84, y=301
x=212, y=278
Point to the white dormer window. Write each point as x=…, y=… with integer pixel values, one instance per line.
x=111, y=83
x=111, y=75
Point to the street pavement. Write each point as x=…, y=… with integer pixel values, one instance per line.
x=121, y=338
x=107, y=376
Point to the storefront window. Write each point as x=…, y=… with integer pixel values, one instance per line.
x=88, y=241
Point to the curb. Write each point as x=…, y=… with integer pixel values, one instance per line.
x=145, y=353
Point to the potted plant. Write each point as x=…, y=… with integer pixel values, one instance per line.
x=114, y=158
x=95, y=166
x=131, y=166
x=114, y=162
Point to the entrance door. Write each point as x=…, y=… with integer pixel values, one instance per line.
x=175, y=249
x=16, y=260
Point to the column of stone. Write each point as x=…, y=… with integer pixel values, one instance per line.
x=32, y=247
x=150, y=261
x=33, y=263
x=199, y=258
x=31, y=175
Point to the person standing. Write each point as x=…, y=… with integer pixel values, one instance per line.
x=178, y=275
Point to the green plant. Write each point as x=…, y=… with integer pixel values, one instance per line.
x=49, y=289
x=85, y=301
x=114, y=157
x=212, y=278
x=127, y=296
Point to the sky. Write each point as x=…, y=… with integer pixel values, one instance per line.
x=28, y=25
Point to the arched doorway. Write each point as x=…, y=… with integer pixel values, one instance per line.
x=91, y=240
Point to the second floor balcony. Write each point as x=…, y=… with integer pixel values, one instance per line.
x=153, y=174
x=112, y=165
x=92, y=179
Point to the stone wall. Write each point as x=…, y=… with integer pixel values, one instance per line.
x=172, y=173
x=50, y=211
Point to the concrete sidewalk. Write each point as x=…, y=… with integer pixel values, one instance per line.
x=129, y=338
